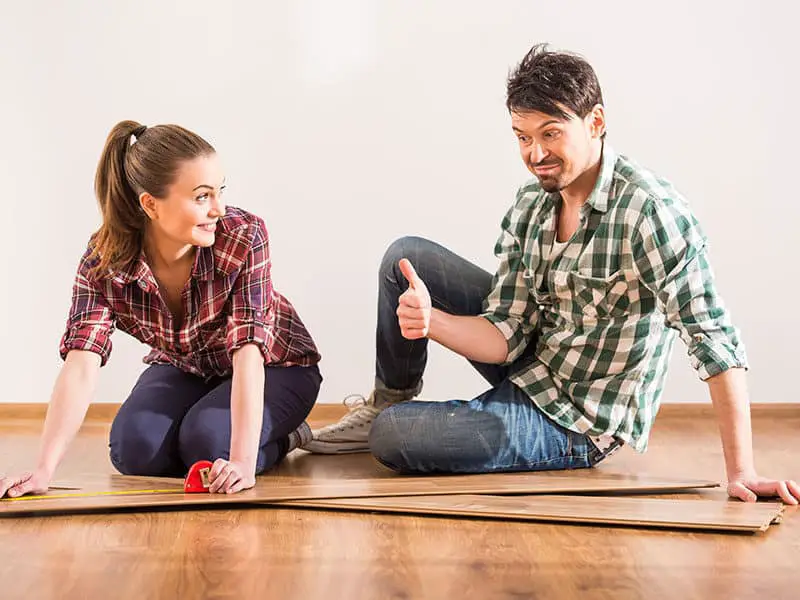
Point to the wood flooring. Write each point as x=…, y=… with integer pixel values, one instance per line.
x=234, y=552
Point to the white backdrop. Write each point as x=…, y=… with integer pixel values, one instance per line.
x=347, y=124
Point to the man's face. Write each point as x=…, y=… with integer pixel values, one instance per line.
x=558, y=150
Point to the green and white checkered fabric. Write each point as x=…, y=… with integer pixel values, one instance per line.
x=603, y=313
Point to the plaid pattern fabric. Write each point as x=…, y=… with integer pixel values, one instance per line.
x=604, y=312
x=230, y=302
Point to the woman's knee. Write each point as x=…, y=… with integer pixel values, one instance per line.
x=204, y=435
x=137, y=449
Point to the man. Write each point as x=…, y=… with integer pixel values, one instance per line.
x=601, y=262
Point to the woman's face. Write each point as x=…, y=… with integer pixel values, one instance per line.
x=187, y=216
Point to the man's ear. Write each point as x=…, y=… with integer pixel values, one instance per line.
x=597, y=121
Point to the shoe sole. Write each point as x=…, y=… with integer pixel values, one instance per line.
x=327, y=448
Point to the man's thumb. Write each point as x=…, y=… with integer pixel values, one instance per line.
x=410, y=274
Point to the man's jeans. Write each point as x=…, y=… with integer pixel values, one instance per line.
x=500, y=430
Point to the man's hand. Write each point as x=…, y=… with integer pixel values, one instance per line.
x=228, y=477
x=27, y=483
x=750, y=487
x=414, y=309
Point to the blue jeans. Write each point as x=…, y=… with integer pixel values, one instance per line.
x=500, y=430
x=172, y=419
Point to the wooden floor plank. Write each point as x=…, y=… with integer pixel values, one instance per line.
x=704, y=515
x=112, y=492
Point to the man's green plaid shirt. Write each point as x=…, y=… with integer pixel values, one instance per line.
x=604, y=312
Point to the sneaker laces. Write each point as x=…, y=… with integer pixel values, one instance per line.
x=361, y=412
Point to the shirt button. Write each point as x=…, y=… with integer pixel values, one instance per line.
x=698, y=337
x=142, y=284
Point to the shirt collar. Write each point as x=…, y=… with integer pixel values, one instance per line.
x=138, y=270
x=599, y=198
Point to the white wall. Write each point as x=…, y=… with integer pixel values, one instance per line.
x=347, y=124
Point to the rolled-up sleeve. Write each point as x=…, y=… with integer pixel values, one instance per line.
x=508, y=305
x=91, y=318
x=252, y=317
x=670, y=256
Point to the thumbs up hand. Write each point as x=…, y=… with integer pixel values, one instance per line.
x=414, y=307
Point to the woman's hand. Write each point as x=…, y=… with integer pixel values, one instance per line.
x=229, y=477
x=34, y=482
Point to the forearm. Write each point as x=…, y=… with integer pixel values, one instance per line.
x=731, y=405
x=69, y=402
x=470, y=336
x=247, y=405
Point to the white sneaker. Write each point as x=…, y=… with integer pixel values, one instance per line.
x=351, y=433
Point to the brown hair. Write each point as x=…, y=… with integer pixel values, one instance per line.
x=549, y=81
x=136, y=159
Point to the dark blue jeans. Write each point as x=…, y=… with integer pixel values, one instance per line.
x=500, y=430
x=173, y=419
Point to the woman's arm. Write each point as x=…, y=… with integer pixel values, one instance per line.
x=69, y=402
x=247, y=414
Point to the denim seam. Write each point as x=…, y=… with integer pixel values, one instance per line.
x=538, y=463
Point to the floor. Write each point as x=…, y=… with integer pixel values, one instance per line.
x=305, y=554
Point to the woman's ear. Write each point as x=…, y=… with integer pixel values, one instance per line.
x=149, y=205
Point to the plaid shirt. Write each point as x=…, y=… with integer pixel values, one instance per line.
x=230, y=302
x=604, y=312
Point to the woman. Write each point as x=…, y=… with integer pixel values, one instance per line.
x=233, y=372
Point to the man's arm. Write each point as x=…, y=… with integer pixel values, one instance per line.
x=670, y=257
x=502, y=332
x=474, y=338
x=729, y=396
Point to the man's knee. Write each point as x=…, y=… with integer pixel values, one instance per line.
x=427, y=437
x=405, y=247
x=387, y=438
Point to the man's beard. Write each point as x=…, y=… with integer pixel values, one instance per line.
x=551, y=184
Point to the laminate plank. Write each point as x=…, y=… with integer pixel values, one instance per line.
x=704, y=515
x=108, y=492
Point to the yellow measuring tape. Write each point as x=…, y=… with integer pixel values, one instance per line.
x=92, y=494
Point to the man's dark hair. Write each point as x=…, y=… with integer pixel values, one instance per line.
x=547, y=81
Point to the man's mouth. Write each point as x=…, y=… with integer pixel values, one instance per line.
x=546, y=169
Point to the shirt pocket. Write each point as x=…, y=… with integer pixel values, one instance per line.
x=136, y=329
x=211, y=334
x=598, y=297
